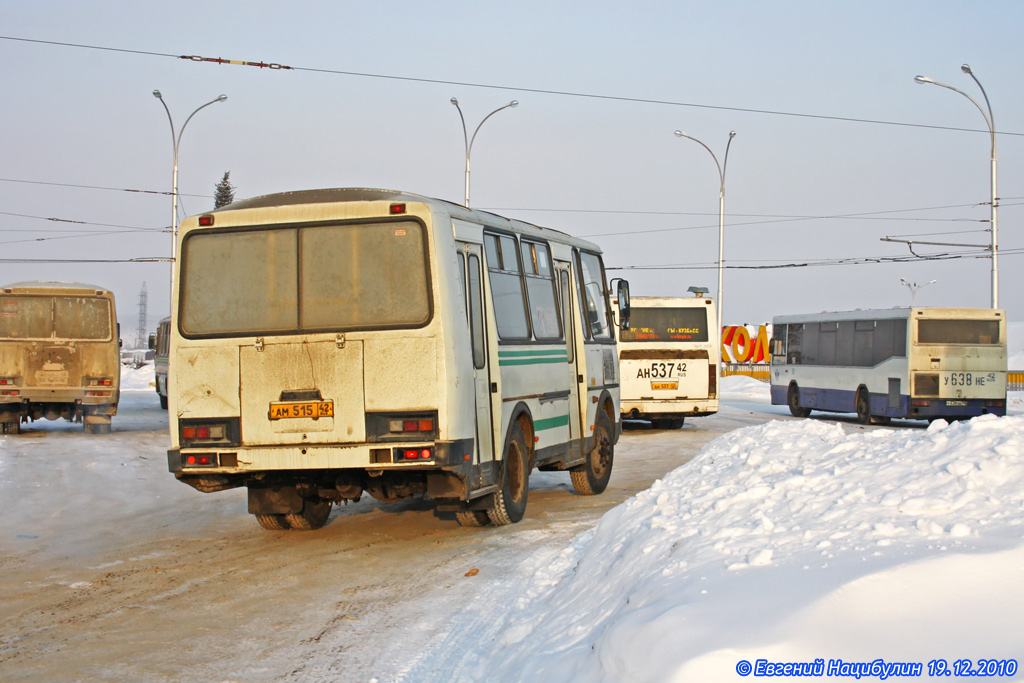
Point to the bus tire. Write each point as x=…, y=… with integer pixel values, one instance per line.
x=315, y=512
x=793, y=399
x=676, y=423
x=476, y=518
x=509, y=504
x=863, y=404
x=163, y=401
x=593, y=475
x=273, y=522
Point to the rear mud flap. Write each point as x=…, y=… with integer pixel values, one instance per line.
x=282, y=500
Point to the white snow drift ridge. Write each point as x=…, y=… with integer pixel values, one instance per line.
x=791, y=539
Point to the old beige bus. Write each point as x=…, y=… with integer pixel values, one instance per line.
x=332, y=343
x=59, y=355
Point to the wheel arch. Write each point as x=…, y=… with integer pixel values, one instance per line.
x=521, y=414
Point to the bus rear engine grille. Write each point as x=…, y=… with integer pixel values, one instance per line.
x=926, y=385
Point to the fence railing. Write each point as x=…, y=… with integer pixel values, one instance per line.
x=762, y=371
x=1015, y=381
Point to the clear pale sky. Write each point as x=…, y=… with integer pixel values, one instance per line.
x=606, y=168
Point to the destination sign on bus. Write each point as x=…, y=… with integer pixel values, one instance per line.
x=666, y=324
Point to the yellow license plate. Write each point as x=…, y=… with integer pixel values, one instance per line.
x=664, y=385
x=308, y=409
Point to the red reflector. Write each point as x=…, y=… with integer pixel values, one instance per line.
x=426, y=454
x=191, y=460
x=426, y=425
x=410, y=426
x=206, y=221
x=397, y=209
x=188, y=432
x=203, y=432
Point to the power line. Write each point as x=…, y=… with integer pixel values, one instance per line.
x=852, y=261
x=131, y=228
x=96, y=187
x=487, y=86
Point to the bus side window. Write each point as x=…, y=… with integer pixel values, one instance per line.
x=598, y=321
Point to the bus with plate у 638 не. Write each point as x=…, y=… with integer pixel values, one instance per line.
x=914, y=363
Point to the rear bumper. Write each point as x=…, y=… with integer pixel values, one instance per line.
x=378, y=456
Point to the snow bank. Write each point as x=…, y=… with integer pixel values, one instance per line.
x=788, y=541
x=741, y=388
x=138, y=379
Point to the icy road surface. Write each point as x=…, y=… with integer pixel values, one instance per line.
x=112, y=570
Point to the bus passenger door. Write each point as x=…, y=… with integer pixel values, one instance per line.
x=478, y=342
x=572, y=369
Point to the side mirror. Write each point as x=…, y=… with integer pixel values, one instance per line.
x=622, y=295
x=152, y=341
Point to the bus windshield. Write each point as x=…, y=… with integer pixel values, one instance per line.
x=957, y=331
x=54, y=317
x=294, y=280
x=666, y=325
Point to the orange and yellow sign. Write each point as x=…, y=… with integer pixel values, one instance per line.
x=739, y=345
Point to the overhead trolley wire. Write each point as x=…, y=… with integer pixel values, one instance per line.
x=488, y=86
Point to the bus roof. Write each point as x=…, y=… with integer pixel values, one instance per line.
x=669, y=301
x=886, y=314
x=352, y=194
x=47, y=285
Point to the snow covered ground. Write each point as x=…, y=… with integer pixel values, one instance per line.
x=797, y=541
x=788, y=542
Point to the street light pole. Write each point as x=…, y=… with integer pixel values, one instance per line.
x=469, y=140
x=914, y=287
x=721, y=208
x=176, y=143
x=990, y=121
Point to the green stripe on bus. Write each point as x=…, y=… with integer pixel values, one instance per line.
x=532, y=357
x=532, y=361
x=553, y=352
x=551, y=423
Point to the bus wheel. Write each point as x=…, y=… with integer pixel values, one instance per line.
x=793, y=399
x=676, y=423
x=315, y=512
x=863, y=407
x=472, y=517
x=163, y=401
x=510, y=501
x=273, y=522
x=97, y=428
x=592, y=476
x=9, y=428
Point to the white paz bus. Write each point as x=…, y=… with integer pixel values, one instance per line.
x=330, y=343
x=668, y=359
x=915, y=363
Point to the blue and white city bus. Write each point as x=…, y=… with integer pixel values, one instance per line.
x=914, y=363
